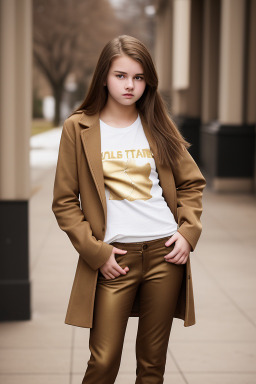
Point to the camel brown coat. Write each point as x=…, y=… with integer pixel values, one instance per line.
x=80, y=207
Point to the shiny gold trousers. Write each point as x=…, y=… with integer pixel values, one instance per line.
x=159, y=284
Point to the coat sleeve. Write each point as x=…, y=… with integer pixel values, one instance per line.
x=190, y=184
x=66, y=204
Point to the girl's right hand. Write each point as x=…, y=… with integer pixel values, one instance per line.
x=111, y=269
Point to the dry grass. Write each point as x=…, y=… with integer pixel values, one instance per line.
x=40, y=125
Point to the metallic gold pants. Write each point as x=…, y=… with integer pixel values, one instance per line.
x=159, y=283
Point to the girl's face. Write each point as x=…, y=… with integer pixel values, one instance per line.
x=125, y=81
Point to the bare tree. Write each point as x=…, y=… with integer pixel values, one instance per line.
x=68, y=35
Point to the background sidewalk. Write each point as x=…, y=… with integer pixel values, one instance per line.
x=221, y=347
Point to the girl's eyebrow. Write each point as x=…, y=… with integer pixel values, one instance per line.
x=125, y=73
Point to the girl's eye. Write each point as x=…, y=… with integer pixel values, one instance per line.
x=138, y=77
x=120, y=76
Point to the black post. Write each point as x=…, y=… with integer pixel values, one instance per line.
x=14, y=261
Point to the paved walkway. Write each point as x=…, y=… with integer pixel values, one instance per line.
x=220, y=348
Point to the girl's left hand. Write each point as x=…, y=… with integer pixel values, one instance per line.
x=181, y=250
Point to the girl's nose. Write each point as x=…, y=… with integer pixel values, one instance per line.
x=129, y=84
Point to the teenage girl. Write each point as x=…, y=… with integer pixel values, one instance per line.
x=128, y=194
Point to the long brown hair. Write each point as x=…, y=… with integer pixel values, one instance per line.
x=169, y=141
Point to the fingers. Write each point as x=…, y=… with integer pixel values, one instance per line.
x=172, y=239
x=110, y=273
x=110, y=276
x=181, y=250
x=111, y=269
x=115, y=272
x=177, y=256
x=121, y=270
x=119, y=251
x=176, y=250
x=178, y=259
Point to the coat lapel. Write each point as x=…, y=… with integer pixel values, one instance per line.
x=164, y=173
x=91, y=141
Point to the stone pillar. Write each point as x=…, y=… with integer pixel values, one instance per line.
x=187, y=52
x=232, y=63
x=228, y=142
x=250, y=99
x=181, y=44
x=15, y=125
x=210, y=61
x=163, y=49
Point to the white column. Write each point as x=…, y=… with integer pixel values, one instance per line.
x=186, y=91
x=7, y=100
x=163, y=48
x=24, y=94
x=181, y=43
x=231, y=89
x=15, y=98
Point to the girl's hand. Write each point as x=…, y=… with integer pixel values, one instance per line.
x=111, y=269
x=181, y=250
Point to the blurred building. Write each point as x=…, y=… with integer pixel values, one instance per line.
x=206, y=60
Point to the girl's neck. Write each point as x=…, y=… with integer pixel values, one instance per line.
x=119, y=116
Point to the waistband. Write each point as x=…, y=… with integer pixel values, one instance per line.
x=141, y=245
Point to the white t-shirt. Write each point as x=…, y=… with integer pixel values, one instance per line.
x=136, y=208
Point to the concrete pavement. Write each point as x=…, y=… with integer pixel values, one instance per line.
x=220, y=348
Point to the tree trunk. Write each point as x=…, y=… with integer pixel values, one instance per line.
x=58, y=90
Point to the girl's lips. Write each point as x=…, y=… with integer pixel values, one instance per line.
x=128, y=94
